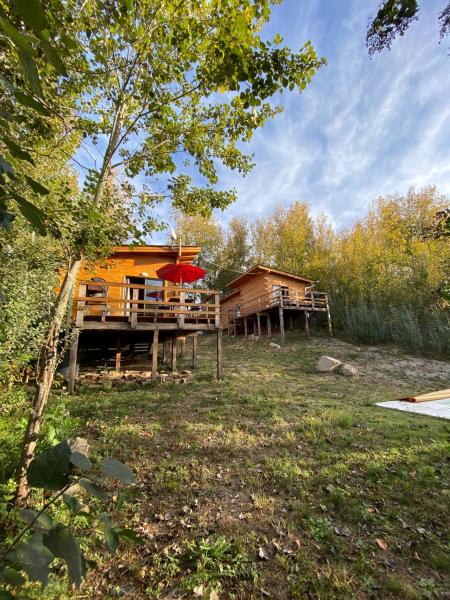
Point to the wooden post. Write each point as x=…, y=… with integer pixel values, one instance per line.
x=291, y=323
x=217, y=322
x=134, y=307
x=118, y=353
x=180, y=318
x=219, y=355
x=281, y=315
x=155, y=355
x=174, y=354
x=330, y=329
x=258, y=320
x=73, y=361
x=164, y=356
x=182, y=346
x=269, y=325
x=194, y=352
x=234, y=329
x=307, y=323
x=245, y=328
x=80, y=305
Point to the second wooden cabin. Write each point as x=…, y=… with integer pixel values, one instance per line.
x=265, y=296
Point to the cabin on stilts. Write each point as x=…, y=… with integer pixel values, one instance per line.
x=267, y=298
x=121, y=306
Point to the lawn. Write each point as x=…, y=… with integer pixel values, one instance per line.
x=277, y=482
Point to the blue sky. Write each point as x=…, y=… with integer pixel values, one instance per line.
x=364, y=127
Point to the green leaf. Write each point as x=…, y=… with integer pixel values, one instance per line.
x=111, y=537
x=20, y=40
x=36, y=186
x=30, y=102
x=5, y=166
x=50, y=469
x=4, y=595
x=16, y=150
x=62, y=544
x=32, y=213
x=114, y=468
x=93, y=489
x=34, y=558
x=44, y=521
x=72, y=504
x=32, y=13
x=6, y=219
x=81, y=461
x=10, y=576
x=129, y=534
x=53, y=57
x=31, y=72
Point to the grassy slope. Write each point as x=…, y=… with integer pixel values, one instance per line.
x=298, y=484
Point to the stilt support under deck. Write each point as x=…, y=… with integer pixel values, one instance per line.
x=307, y=323
x=174, y=354
x=73, y=360
x=330, y=328
x=118, y=354
x=258, y=321
x=194, y=351
x=281, y=316
x=269, y=325
x=155, y=355
x=219, y=354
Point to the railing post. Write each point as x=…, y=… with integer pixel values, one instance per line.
x=134, y=308
x=180, y=317
x=81, y=304
x=217, y=323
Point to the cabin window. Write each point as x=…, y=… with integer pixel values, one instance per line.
x=280, y=291
x=152, y=295
x=238, y=310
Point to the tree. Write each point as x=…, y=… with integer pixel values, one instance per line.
x=394, y=17
x=236, y=251
x=206, y=232
x=156, y=79
x=283, y=239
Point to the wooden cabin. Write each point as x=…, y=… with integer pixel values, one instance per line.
x=121, y=301
x=266, y=296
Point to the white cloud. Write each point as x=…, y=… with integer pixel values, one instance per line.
x=363, y=127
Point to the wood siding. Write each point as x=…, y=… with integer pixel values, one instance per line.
x=122, y=265
x=256, y=295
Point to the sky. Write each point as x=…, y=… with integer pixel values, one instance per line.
x=364, y=126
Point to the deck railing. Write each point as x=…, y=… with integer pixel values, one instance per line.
x=112, y=301
x=310, y=300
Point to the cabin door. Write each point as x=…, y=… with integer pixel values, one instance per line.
x=144, y=294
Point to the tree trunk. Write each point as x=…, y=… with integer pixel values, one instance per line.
x=48, y=356
x=48, y=359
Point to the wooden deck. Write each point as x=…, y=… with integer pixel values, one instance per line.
x=274, y=307
x=178, y=308
x=130, y=309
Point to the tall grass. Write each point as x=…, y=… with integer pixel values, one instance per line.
x=424, y=333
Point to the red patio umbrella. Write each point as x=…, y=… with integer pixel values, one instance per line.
x=180, y=272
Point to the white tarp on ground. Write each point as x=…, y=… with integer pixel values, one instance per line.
x=435, y=408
